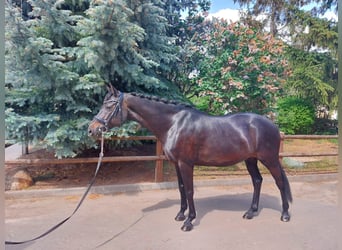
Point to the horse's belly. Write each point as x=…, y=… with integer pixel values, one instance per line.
x=220, y=160
x=222, y=156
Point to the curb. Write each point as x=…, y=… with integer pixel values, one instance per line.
x=113, y=189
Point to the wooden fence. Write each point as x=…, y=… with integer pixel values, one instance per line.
x=305, y=137
x=159, y=157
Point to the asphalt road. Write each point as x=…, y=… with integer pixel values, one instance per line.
x=144, y=220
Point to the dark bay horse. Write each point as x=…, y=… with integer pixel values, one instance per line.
x=190, y=137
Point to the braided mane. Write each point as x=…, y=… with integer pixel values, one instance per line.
x=162, y=100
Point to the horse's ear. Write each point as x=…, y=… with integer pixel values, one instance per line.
x=111, y=89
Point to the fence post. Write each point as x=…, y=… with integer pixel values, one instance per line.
x=281, y=148
x=25, y=142
x=158, y=172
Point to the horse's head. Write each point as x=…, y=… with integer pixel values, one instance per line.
x=111, y=113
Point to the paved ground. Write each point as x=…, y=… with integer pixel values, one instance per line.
x=144, y=220
x=13, y=152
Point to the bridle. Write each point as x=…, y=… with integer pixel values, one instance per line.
x=115, y=112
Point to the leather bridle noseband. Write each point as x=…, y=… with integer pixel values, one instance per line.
x=115, y=112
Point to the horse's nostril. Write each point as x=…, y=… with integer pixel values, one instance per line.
x=102, y=129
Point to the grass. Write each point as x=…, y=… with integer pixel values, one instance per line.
x=322, y=165
x=318, y=167
x=312, y=165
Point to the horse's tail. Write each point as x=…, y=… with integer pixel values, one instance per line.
x=286, y=186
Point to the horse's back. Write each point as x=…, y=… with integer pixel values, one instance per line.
x=250, y=121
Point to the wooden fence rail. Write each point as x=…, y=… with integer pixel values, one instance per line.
x=159, y=157
x=305, y=137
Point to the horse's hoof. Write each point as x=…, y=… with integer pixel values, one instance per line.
x=180, y=217
x=285, y=217
x=187, y=227
x=248, y=215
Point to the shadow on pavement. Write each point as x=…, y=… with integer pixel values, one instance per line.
x=236, y=202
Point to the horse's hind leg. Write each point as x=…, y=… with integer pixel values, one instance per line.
x=253, y=170
x=283, y=184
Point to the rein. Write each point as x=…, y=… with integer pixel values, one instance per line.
x=77, y=207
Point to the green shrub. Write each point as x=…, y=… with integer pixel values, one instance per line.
x=325, y=126
x=295, y=115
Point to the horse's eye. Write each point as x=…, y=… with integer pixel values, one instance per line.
x=109, y=105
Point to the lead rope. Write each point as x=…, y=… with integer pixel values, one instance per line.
x=77, y=207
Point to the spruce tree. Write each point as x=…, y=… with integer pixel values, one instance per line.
x=43, y=91
x=60, y=55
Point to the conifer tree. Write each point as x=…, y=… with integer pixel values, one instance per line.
x=60, y=55
x=43, y=91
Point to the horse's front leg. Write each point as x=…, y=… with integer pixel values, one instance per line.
x=184, y=204
x=186, y=172
x=253, y=170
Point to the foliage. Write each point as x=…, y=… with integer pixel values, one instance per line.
x=60, y=55
x=185, y=19
x=295, y=115
x=309, y=32
x=43, y=93
x=280, y=14
x=314, y=77
x=325, y=126
x=313, y=57
x=275, y=13
x=126, y=44
x=242, y=69
x=312, y=44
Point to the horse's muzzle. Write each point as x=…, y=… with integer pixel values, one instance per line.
x=95, y=129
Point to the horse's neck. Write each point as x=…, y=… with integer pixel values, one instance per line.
x=154, y=115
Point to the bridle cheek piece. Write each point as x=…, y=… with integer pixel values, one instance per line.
x=115, y=112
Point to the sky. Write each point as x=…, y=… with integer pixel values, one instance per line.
x=224, y=9
x=217, y=5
